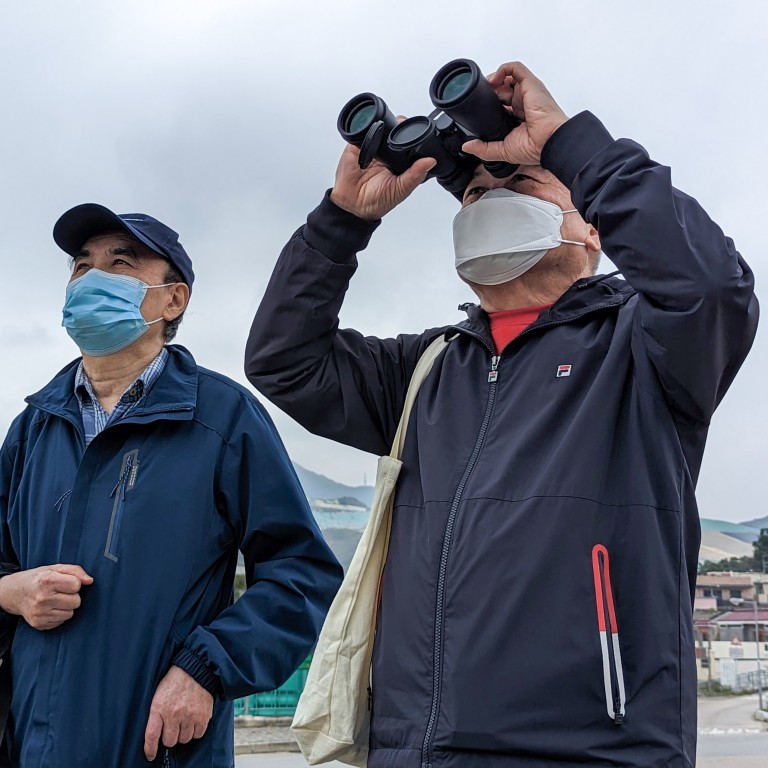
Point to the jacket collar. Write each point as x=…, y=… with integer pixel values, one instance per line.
x=173, y=396
x=592, y=294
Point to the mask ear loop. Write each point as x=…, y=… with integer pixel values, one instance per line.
x=572, y=242
x=163, y=285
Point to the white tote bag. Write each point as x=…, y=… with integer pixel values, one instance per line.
x=333, y=717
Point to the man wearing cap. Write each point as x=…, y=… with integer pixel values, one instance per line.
x=127, y=488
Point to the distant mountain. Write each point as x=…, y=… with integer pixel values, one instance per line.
x=724, y=526
x=721, y=540
x=341, y=510
x=760, y=522
x=321, y=487
x=746, y=533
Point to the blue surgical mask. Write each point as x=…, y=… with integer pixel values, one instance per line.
x=102, y=312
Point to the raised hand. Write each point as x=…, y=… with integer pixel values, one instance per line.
x=372, y=192
x=526, y=97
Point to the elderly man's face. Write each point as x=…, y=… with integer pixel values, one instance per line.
x=533, y=180
x=120, y=254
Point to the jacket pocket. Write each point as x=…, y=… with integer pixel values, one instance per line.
x=126, y=482
x=608, y=630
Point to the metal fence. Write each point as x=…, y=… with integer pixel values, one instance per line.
x=747, y=681
x=743, y=682
x=281, y=701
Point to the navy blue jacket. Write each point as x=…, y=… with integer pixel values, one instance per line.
x=155, y=509
x=536, y=607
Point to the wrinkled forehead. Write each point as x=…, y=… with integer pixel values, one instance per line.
x=527, y=179
x=483, y=176
x=110, y=240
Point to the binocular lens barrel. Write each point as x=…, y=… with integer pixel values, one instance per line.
x=411, y=132
x=467, y=107
x=359, y=114
x=454, y=85
x=417, y=137
x=361, y=118
x=461, y=91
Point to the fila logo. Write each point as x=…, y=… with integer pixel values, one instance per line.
x=563, y=370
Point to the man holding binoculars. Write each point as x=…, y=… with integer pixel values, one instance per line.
x=536, y=604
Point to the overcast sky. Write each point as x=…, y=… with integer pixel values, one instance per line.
x=219, y=118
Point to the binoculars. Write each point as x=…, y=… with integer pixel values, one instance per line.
x=466, y=107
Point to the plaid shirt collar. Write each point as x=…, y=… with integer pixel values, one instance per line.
x=95, y=418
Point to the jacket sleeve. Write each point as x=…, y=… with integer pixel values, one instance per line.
x=697, y=309
x=292, y=576
x=335, y=383
x=8, y=560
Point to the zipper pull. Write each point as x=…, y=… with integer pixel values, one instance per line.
x=618, y=718
x=60, y=503
x=126, y=476
x=123, y=475
x=493, y=374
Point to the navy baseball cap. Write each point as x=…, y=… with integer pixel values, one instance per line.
x=82, y=222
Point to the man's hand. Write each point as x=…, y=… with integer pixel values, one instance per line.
x=372, y=192
x=180, y=711
x=44, y=597
x=526, y=97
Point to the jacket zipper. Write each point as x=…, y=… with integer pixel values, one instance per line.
x=426, y=750
x=493, y=376
x=613, y=673
x=125, y=482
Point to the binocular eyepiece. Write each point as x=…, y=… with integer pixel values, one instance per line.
x=466, y=107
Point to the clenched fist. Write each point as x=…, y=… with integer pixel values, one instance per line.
x=44, y=597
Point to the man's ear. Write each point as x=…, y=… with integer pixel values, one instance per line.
x=177, y=301
x=593, y=241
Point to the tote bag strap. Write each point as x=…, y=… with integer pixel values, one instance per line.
x=423, y=367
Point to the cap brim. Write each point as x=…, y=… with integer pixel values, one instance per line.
x=75, y=227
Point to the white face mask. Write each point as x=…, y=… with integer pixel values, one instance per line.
x=504, y=234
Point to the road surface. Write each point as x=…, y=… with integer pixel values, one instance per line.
x=728, y=738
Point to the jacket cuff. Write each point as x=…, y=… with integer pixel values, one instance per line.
x=573, y=145
x=198, y=670
x=6, y=569
x=336, y=233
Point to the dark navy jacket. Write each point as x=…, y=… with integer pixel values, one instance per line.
x=536, y=607
x=155, y=509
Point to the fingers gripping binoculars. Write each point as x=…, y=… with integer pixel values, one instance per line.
x=466, y=107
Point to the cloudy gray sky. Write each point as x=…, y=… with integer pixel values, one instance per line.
x=219, y=118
